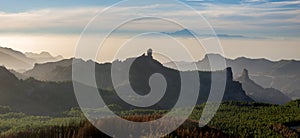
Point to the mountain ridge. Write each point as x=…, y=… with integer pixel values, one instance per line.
x=260, y=94
x=34, y=96
x=282, y=75
x=21, y=62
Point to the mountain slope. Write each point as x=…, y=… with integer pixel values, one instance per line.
x=6, y=77
x=260, y=94
x=283, y=75
x=21, y=62
x=52, y=71
x=43, y=57
x=143, y=67
x=34, y=97
x=33, y=94
x=14, y=59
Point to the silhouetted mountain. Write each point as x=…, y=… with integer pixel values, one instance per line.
x=283, y=75
x=35, y=97
x=39, y=97
x=180, y=33
x=43, y=57
x=6, y=77
x=229, y=36
x=189, y=33
x=143, y=67
x=20, y=62
x=260, y=94
x=18, y=74
x=14, y=60
x=52, y=71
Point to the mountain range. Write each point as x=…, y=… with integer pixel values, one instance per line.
x=283, y=75
x=189, y=33
x=62, y=71
x=260, y=94
x=37, y=97
x=21, y=62
x=52, y=81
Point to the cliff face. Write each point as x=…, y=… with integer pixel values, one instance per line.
x=260, y=94
x=234, y=90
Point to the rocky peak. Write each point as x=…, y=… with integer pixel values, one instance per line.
x=229, y=73
x=245, y=75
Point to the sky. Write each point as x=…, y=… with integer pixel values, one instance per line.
x=251, y=28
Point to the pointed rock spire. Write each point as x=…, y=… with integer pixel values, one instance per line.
x=229, y=73
x=245, y=75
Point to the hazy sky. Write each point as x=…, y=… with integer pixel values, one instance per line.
x=252, y=28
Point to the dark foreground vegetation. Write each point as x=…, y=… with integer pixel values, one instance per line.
x=85, y=129
x=233, y=119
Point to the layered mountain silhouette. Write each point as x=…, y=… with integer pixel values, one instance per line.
x=14, y=60
x=43, y=57
x=35, y=97
x=51, y=71
x=21, y=62
x=49, y=98
x=260, y=94
x=188, y=33
x=180, y=33
x=283, y=75
x=38, y=83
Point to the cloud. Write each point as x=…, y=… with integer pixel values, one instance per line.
x=255, y=0
x=262, y=19
x=284, y=3
x=60, y=20
x=46, y=20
